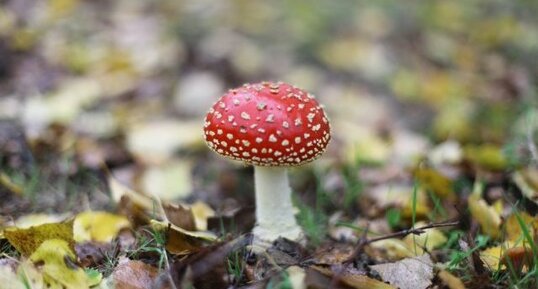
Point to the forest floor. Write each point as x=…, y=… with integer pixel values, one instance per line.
x=430, y=179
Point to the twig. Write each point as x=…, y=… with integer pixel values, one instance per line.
x=530, y=140
x=400, y=234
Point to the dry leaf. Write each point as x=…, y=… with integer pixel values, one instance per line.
x=296, y=276
x=514, y=233
x=393, y=249
x=181, y=241
x=434, y=181
x=409, y=273
x=487, y=156
x=450, y=280
x=430, y=239
x=168, y=181
x=180, y=216
x=449, y=152
x=119, y=190
x=157, y=141
x=59, y=265
x=31, y=220
x=352, y=278
x=26, y=241
x=486, y=215
x=98, y=226
x=9, y=278
x=202, y=212
x=527, y=181
x=131, y=274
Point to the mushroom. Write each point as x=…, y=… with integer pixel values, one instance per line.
x=271, y=126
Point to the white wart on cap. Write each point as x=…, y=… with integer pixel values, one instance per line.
x=268, y=124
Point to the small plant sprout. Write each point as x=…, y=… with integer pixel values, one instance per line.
x=271, y=126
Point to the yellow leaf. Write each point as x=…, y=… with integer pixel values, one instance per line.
x=357, y=281
x=514, y=233
x=436, y=182
x=157, y=141
x=450, y=280
x=30, y=220
x=29, y=274
x=9, y=184
x=430, y=239
x=168, y=181
x=527, y=181
x=181, y=241
x=486, y=215
x=26, y=241
x=394, y=249
x=492, y=257
x=201, y=212
x=118, y=190
x=487, y=156
x=98, y=226
x=59, y=265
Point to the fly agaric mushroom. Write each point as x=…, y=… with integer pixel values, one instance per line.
x=271, y=126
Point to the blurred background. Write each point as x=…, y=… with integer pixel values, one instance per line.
x=127, y=83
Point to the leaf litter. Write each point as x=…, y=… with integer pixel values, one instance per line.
x=430, y=179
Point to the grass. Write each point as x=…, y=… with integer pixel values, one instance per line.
x=154, y=242
x=235, y=266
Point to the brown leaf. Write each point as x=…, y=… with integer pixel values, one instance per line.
x=409, y=273
x=180, y=216
x=131, y=274
x=517, y=258
x=450, y=280
x=351, y=277
x=26, y=241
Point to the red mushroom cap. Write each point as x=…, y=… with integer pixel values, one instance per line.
x=268, y=124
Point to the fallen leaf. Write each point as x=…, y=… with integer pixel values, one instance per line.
x=180, y=216
x=31, y=220
x=26, y=241
x=432, y=180
x=202, y=212
x=132, y=274
x=9, y=278
x=449, y=152
x=352, y=277
x=60, y=106
x=514, y=232
x=400, y=196
x=59, y=265
x=518, y=257
x=118, y=190
x=431, y=239
x=393, y=249
x=296, y=276
x=156, y=142
x=181, y=241
x=409, y=273
x=527, y=181
x=28, y=272
x=168, y=181
x=486, y=215
x=450, y=280
x=10, y=184
x=98, y=226
x=487, y=156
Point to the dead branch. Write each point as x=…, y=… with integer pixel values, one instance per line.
x=363, y=241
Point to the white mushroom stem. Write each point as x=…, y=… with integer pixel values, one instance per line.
x=274, y=210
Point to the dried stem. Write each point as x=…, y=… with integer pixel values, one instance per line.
x=363, y=241
x=530, y=142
